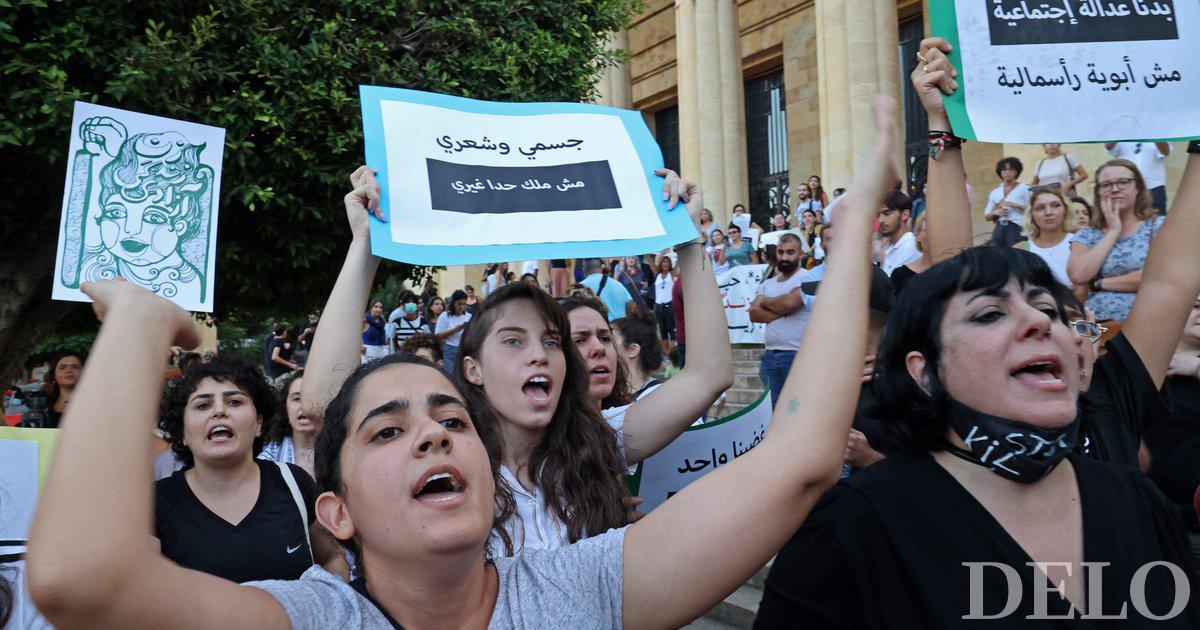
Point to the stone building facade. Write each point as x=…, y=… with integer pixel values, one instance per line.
x=750, y=97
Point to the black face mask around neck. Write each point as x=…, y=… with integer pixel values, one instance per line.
x=1015, y=450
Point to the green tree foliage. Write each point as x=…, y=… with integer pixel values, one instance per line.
x=281, y=77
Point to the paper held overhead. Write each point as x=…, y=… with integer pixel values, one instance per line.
x=466, y=181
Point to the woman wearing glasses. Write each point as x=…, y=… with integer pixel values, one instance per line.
x=1108, y=256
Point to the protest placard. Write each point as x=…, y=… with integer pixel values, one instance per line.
x=699, y=450
x=140, y=202
x=25, y=456
x=466, y=181
x=1072, y=70
x=738, y=285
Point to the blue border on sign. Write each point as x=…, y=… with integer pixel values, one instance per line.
x=676, y=223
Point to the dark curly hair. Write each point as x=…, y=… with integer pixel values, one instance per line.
x=239, y=372
x=281, y=427
x=579, y=470
x=915, y=420
x=328, y=465
x=49, y=384
x=423, y=341
x=642, y=329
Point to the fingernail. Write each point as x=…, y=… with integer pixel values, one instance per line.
x=666, y=196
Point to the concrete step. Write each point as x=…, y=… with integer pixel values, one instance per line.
x=739, y=609
x=747, y=354
x=746, y=367
x=746, y=381
x=742, y=396
x=760, y=577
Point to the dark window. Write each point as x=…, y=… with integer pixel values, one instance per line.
x=766, y=146
x=666, y=128
x=916, y=121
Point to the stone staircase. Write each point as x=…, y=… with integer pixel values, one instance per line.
x=747, y=387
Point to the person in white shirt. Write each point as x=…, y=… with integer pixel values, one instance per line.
x=450, y=326
x=806, y=202
x=1049, y=227
x=1151, y=160
x=1059, y=170
x=784, y=309
x=1007, y=203
x=900, y=246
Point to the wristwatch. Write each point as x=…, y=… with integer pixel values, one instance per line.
x=1096, y=284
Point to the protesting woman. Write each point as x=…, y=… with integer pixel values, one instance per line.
x=1049, y=229
x=664, y=286
x=59, y=385
x=374, y=333
x=292, y=436
x=408, y=482
x=739, y=251
x=1007, y=203
x=1109, y=255
x=227, y=513
x=450, y=326
x=1058, y=170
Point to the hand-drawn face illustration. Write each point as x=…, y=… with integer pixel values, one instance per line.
x=144, y=211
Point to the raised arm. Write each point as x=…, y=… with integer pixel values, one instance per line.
x=948, y=228
x=336, y=350
x=704, y=542
x=1170, y=279
x=654, y=421
x=92, y=562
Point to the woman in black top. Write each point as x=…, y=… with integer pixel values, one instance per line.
x=59, y=384
x=977, y=379
x=227, y=513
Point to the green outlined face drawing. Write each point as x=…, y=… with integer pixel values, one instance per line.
x=148, y=200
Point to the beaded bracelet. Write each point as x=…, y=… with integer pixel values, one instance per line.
x=939, y=141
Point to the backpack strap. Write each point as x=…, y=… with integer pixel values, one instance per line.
x=290, y=480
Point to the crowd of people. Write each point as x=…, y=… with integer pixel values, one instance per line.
x=460, y=461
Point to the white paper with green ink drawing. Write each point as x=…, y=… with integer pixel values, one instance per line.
x=140, y=202
x=1072, y=70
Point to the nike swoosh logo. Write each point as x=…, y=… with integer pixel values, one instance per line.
x=293, y=549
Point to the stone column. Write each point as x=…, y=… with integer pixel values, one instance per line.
x=613, y=88
x=857, y=54
x=712, y=116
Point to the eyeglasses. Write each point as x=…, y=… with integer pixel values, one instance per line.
x=1116, y=184
x=1087, y=329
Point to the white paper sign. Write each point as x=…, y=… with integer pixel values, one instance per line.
x=698, y=451
x=1073, y=70
x=738, y=286
x=140, y=202
x=18, y=487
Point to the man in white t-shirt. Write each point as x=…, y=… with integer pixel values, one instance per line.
x=1151, y=160
x=780, y=304
x=901, y=246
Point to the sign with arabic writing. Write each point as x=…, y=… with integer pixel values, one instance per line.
x=1072, y=70
x=738, y=285
x=466, y=181
x=698, y=450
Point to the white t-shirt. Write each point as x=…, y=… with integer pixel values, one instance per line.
x=1059, y=169
x=741, y=220
x=663, y=285
x=809, y=204
x=450, y=322
x=1018, y=195
x=786, y=332
x=900, y=253
x=534, y=525
x=1056, y=257
x=1149, y=160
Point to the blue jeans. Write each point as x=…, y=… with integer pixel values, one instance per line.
x=774, y=371
x=449, y=356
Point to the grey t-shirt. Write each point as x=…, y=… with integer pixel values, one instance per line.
x=577, y=586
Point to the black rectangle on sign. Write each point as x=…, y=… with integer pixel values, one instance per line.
x=1013, y=22
x=503, y=189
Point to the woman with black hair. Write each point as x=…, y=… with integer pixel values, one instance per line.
x=292, y=435
x=450, y=325
x=1007, y=203
x=227, y=513
x=636, y=339
x=58, y=385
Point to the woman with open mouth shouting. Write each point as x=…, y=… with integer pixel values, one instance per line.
x=408, y=481
x=227, y=513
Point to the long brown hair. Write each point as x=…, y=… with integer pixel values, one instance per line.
x=49, y=381
x=1143, y=204
x=577, y=466
x=620, y=394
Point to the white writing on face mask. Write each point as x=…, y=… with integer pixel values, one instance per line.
x=1023, y=443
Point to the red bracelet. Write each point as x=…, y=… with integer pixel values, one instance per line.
x=939, y=141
